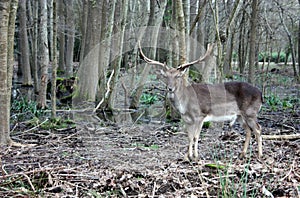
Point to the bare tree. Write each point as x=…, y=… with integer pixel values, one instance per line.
x=290, y=40
x=70, y=32
x=7, y=29
x=33, y=36
x=44, y=54
x=252, y=40
x=299, y=44
x=24, y=46
x=87, y=75
x=119, y=42
x=243, y=35
x=181, y=30
x=61, y=32
x=54, y=63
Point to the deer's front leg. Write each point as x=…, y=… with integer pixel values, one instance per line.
x=189, y=129
x=193, y=129
x=196, y=137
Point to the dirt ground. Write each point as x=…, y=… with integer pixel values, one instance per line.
x=104, y=159
x=146, y=160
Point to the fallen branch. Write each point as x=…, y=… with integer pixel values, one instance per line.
x=37, y=126
x=282, y=137
x=31, y=172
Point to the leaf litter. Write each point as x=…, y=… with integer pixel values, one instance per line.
x=146, y=160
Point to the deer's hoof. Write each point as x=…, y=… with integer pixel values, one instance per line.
x=188, y=158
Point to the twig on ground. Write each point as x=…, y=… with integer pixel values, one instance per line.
x=285, y=137
x=32, y=171
x=154, y=189
x=36, y=126
x=29, y=181
x=290, y=171
x=122, y=190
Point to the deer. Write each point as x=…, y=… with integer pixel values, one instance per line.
x=198, y=103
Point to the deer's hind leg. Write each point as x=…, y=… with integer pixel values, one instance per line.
x=250, y=125
x=256, y=128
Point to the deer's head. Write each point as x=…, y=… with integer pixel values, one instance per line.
x=174, y=76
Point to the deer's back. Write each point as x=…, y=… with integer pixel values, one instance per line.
x=236, y=96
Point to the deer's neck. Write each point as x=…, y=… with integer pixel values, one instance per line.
x=180, y=98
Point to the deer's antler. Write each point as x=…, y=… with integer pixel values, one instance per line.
x=203, y=58
x=148, y=60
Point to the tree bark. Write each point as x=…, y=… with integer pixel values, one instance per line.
x=299, y=44
x=181, y=31
x=105, y=43
x=229, y=43
x=242, y=46
x=116, y=67
x=33, y=16
x=252, y=41
x=62, y=34
x=87, y=75
x=7, y=29
x=54, y=61
x=70, y=38
x=24, y=46
x=44, y=54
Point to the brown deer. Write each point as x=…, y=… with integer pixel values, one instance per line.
x=197, y=103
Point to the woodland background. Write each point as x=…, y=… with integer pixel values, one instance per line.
x=71, y=65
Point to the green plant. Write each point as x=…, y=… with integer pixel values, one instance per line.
x=58, y=123
x=272, y=57
x=23, y=109
x=275, y=102
x=206, y=125
x=148, y=99
x=53, y=123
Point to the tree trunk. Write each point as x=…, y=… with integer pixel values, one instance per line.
x=50, y=28
x=54, y=63
x=187, y=13
x=230, y=37
x=44, y=54
x=62, y=40
x=24, y=46
x=88, y=69
x=299, y=47
x=105, y=43
x=291, y=42
x=70, y=38
x=219, y=61
x=252, y=41
x=7, y=29
x=33, y=15
x=198, y=47
x=181, y=30
x=242, y=48
x=117, y=65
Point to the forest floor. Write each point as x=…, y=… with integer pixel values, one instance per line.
x=146, y=160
